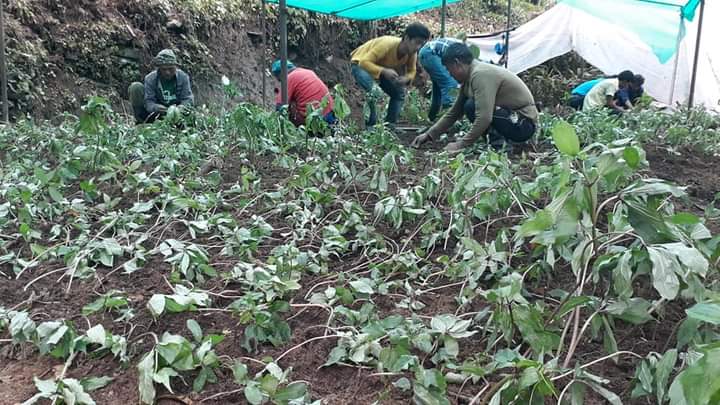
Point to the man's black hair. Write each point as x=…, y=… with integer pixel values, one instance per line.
x=626, y=76
x=638, y=80
x=457, y=52
x=417, y=30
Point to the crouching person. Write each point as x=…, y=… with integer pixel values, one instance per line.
x=166, y=86
x=305, y=89
x=494, y=99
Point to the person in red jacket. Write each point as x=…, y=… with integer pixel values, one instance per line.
x=304, y=88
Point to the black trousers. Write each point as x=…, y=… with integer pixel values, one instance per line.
x=576, y=101
x=509, y=124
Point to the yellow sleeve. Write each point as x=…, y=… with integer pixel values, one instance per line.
x=370, y=54
x=411, y=66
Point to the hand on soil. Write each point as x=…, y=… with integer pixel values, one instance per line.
x=419, y=140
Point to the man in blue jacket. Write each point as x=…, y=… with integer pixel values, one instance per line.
x=166, y=86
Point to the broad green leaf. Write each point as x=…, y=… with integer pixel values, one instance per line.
x=94, y=306
x=56, y=195
x=577, y=394
x=565, y=138
x=269, y=384
x=156, y=304
x=610, y=396
x=424, y=396
x=363, y=286
x=687, y=331
x=631, y=156
x=451, y=346
x=294, y=390
x=73, y=389
x=95, y=383
x=540, y=222
x=163, y=377
x=336, y=355
x=690, y=258
x=685, y=218
x=253, y=394
x=665, y=270
x=622, y=276
x=403, y=384
x=609, y=342
x=240, y=372
x=195, y=329
x=443, y=323
x=146, y=370
x=706, y=312
x=646, y=377
x=698, y=384
x=200, y=380
x=663, y=369
x=97, y=335
x=634, y=310
x=571, y=304
x=650, y=187
x=45, y=386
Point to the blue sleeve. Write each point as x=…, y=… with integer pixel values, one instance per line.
x=623, y=96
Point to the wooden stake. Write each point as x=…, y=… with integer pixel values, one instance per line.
x=3, y=67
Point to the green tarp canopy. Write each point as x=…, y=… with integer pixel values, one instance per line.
x=365, y=9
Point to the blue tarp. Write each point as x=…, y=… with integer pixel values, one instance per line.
x=658, y=23
x=365, y=9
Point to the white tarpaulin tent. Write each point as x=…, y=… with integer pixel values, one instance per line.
x=655, y=39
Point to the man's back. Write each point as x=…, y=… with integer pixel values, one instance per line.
x=584, y=88
x=597, y=97
x=305, y=87
x=501, y=85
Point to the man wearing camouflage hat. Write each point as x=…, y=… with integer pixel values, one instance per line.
x=166, y=86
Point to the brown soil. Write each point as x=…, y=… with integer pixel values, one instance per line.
x=691, y=168
x=336, y=384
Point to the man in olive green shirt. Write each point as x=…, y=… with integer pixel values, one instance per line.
x=493, y=98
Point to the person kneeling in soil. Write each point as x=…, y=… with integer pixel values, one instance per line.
x=603, y=93
x=166, y=86
x=304, y=89
x=577, y=95
x=494, y=99
x=628, y=96
x=391, y=62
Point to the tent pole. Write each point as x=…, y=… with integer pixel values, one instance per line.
x=691, y=99
x=283, y=53
x=507, y=33
x=681, y=34
x=3, y=67
x=263, y=59
x=443, y=14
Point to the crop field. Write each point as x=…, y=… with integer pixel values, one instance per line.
x=228, y=257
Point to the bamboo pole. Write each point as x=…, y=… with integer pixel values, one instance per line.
x=3, y=67
x=283, y=53
x=443, y=15
x=691, y=99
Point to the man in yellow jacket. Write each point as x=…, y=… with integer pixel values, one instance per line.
x=390, y=61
